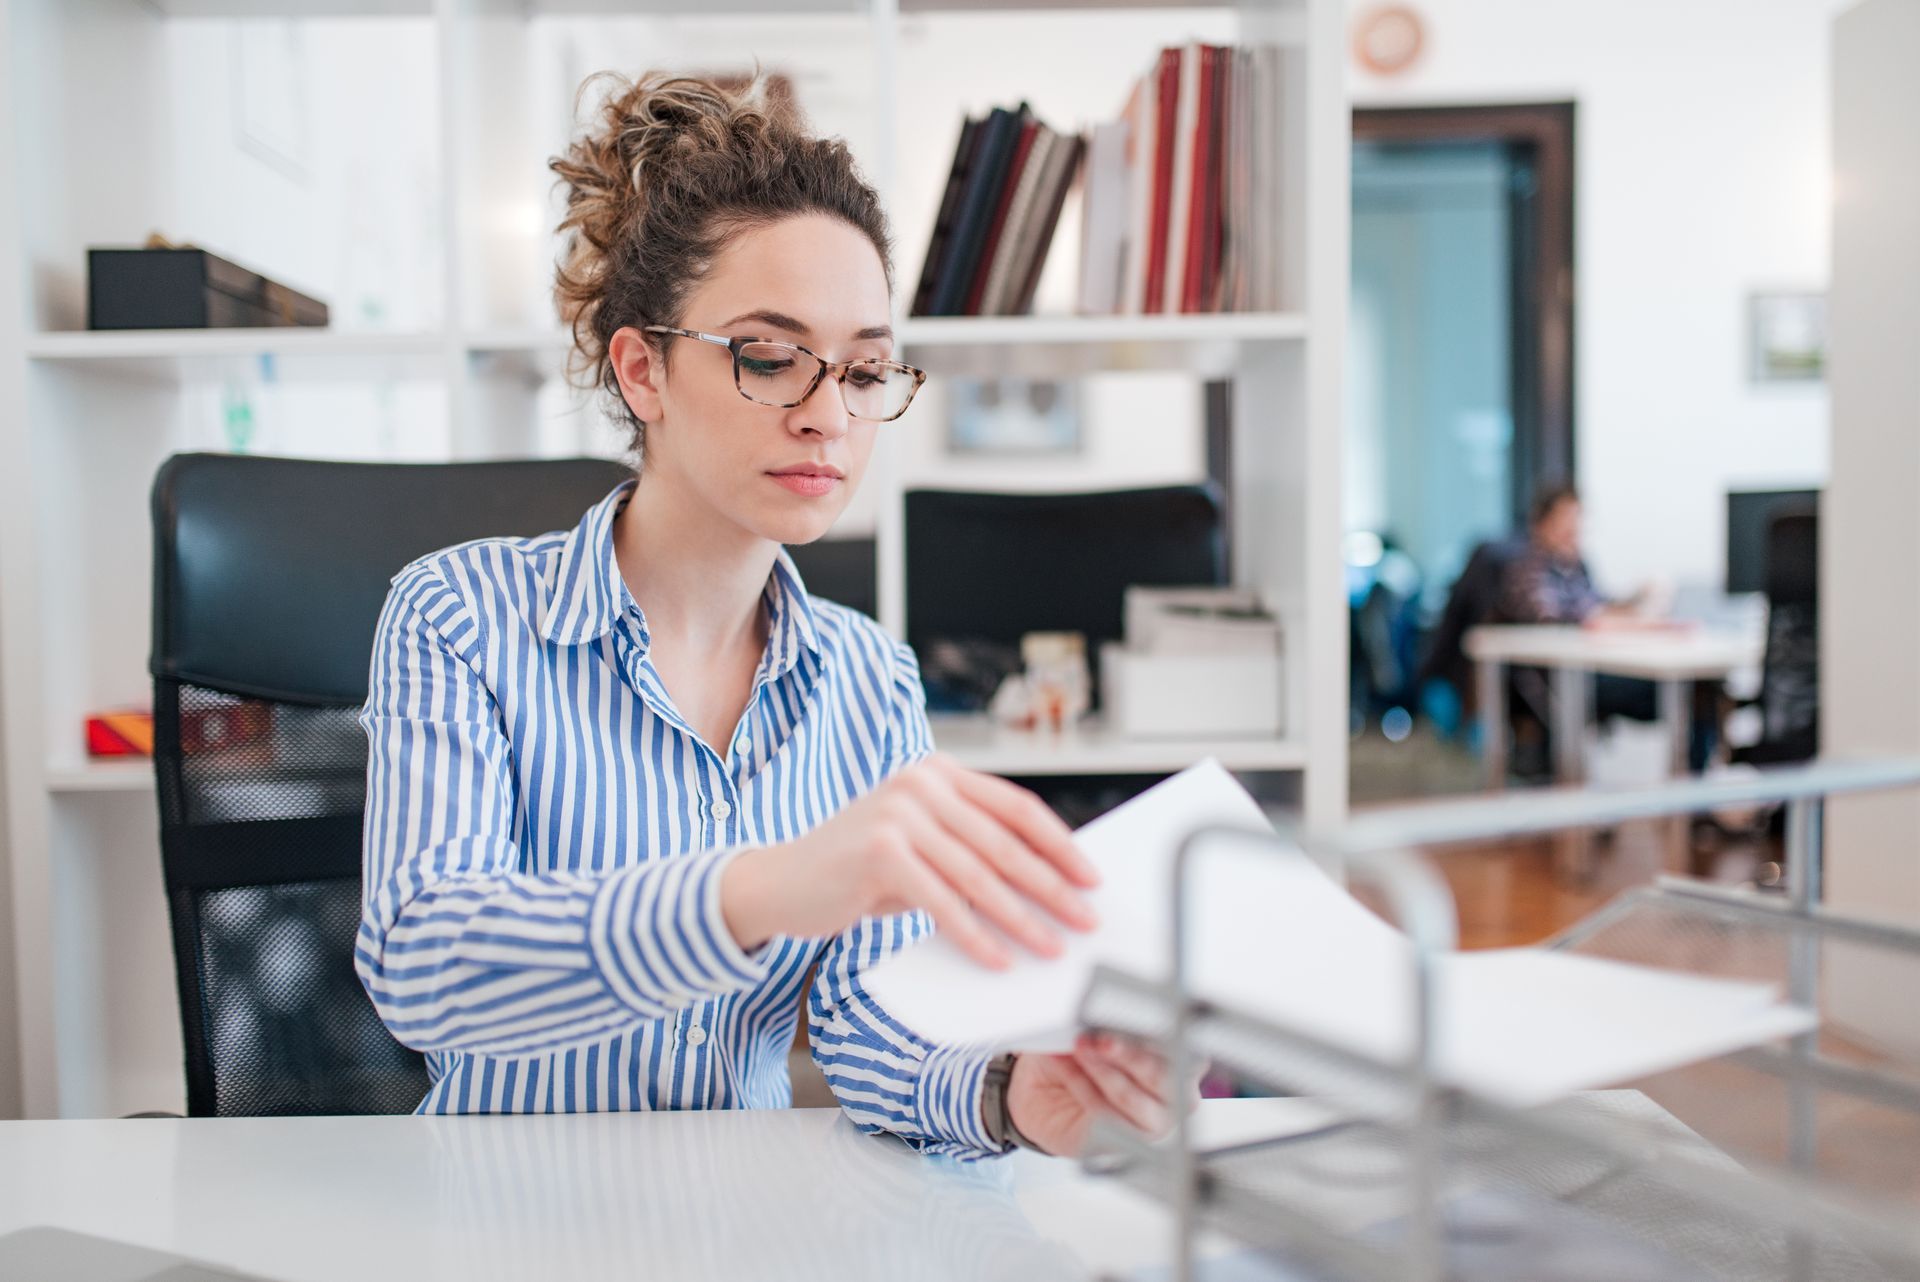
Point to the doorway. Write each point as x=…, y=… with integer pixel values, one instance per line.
x=1460, y=370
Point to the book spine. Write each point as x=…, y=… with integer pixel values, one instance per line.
x=983, y=186
x=1209, y=299
x=1166, y=101
x=943, y=221
x=1144, y=113
x=1202, y=177
x=1070, y=157
x=1179, y=210
x=1016, y=240
x=996, y=230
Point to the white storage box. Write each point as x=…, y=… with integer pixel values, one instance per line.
x=1190, y=696
x=1211, y=620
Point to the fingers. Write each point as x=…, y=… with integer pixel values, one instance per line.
x=980, y=883
x=1144, y=1065
x=918, y=884
x=1140, y=1107
x=1026, y=816
x=1011, y=858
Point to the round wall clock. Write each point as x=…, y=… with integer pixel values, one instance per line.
x=1387, y=39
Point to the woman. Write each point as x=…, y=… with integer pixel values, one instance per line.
x=628, y=783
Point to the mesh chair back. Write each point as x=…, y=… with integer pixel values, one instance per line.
x=269, y=576
x=985, y=568
x=1790, y=672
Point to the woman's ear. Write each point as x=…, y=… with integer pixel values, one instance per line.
x=637, y=365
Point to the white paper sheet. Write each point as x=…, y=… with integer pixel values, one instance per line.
x=1275, y=936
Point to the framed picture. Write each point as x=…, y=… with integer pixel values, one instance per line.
x=1787, y=337
x=1013, y=416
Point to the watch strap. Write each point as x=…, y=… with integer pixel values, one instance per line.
x=999, y=1113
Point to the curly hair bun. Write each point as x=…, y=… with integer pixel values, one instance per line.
x=668, y=170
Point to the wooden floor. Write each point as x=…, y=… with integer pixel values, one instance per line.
x=1523, y=892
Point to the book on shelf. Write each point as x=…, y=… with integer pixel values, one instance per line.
x=1182, y=194
x=1004, y=193
x=1180, y=197
x=1002, y=201
x=979, y=198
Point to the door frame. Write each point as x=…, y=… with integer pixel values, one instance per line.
x=1542, y=311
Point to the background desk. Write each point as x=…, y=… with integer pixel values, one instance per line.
x=1572, y=654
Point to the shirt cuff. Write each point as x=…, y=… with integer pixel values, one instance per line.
x=947, y=1097
x=660, y=940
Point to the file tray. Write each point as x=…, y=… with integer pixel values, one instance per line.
x=1798, y=1160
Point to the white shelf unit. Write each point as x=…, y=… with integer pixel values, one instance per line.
x=112, y=131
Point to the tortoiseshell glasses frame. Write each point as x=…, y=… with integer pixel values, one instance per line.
x=839, y=369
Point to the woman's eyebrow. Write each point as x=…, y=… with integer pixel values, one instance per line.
x=780, y=320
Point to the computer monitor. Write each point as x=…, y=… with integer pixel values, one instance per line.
x=1749, y=515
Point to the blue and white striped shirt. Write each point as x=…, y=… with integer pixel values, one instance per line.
x=545, y=836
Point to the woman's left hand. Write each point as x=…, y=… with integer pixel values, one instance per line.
x=1053, y=1099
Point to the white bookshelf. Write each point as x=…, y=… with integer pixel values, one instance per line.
x=443, y=346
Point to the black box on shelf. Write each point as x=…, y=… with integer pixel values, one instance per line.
x=187, y=289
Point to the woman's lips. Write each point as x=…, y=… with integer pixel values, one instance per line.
x=807, y=483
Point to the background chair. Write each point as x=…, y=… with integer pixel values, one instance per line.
x=1471, y=601
x=269, y=576
x=1789, y=698
x=844, y=571
x=985, y=568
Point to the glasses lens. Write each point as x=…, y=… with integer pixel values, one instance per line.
x=877, y=389
x=775, y=374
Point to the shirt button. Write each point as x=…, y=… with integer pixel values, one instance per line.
x=721, y=809
x=743, y=745
x=696, y=1035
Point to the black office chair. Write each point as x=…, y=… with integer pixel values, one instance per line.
x=985, y=568
x=1473, y=599
x=1789, y=698
x=269, y=576
x=844, y=571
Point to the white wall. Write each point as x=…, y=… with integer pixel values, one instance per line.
x=1701, y=159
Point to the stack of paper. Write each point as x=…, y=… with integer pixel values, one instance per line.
x=1274, y=936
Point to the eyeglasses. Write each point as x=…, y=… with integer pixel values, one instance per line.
x=784, y=374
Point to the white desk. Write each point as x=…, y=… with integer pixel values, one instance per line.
x=796, y=1194
x=1572, y=654
x=791, y=1196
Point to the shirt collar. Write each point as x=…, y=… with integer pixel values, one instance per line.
x=589, y=594
x=793, y=621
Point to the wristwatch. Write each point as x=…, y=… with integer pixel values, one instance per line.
x=994, y=1111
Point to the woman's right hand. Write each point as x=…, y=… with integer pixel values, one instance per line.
x=967, y=847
